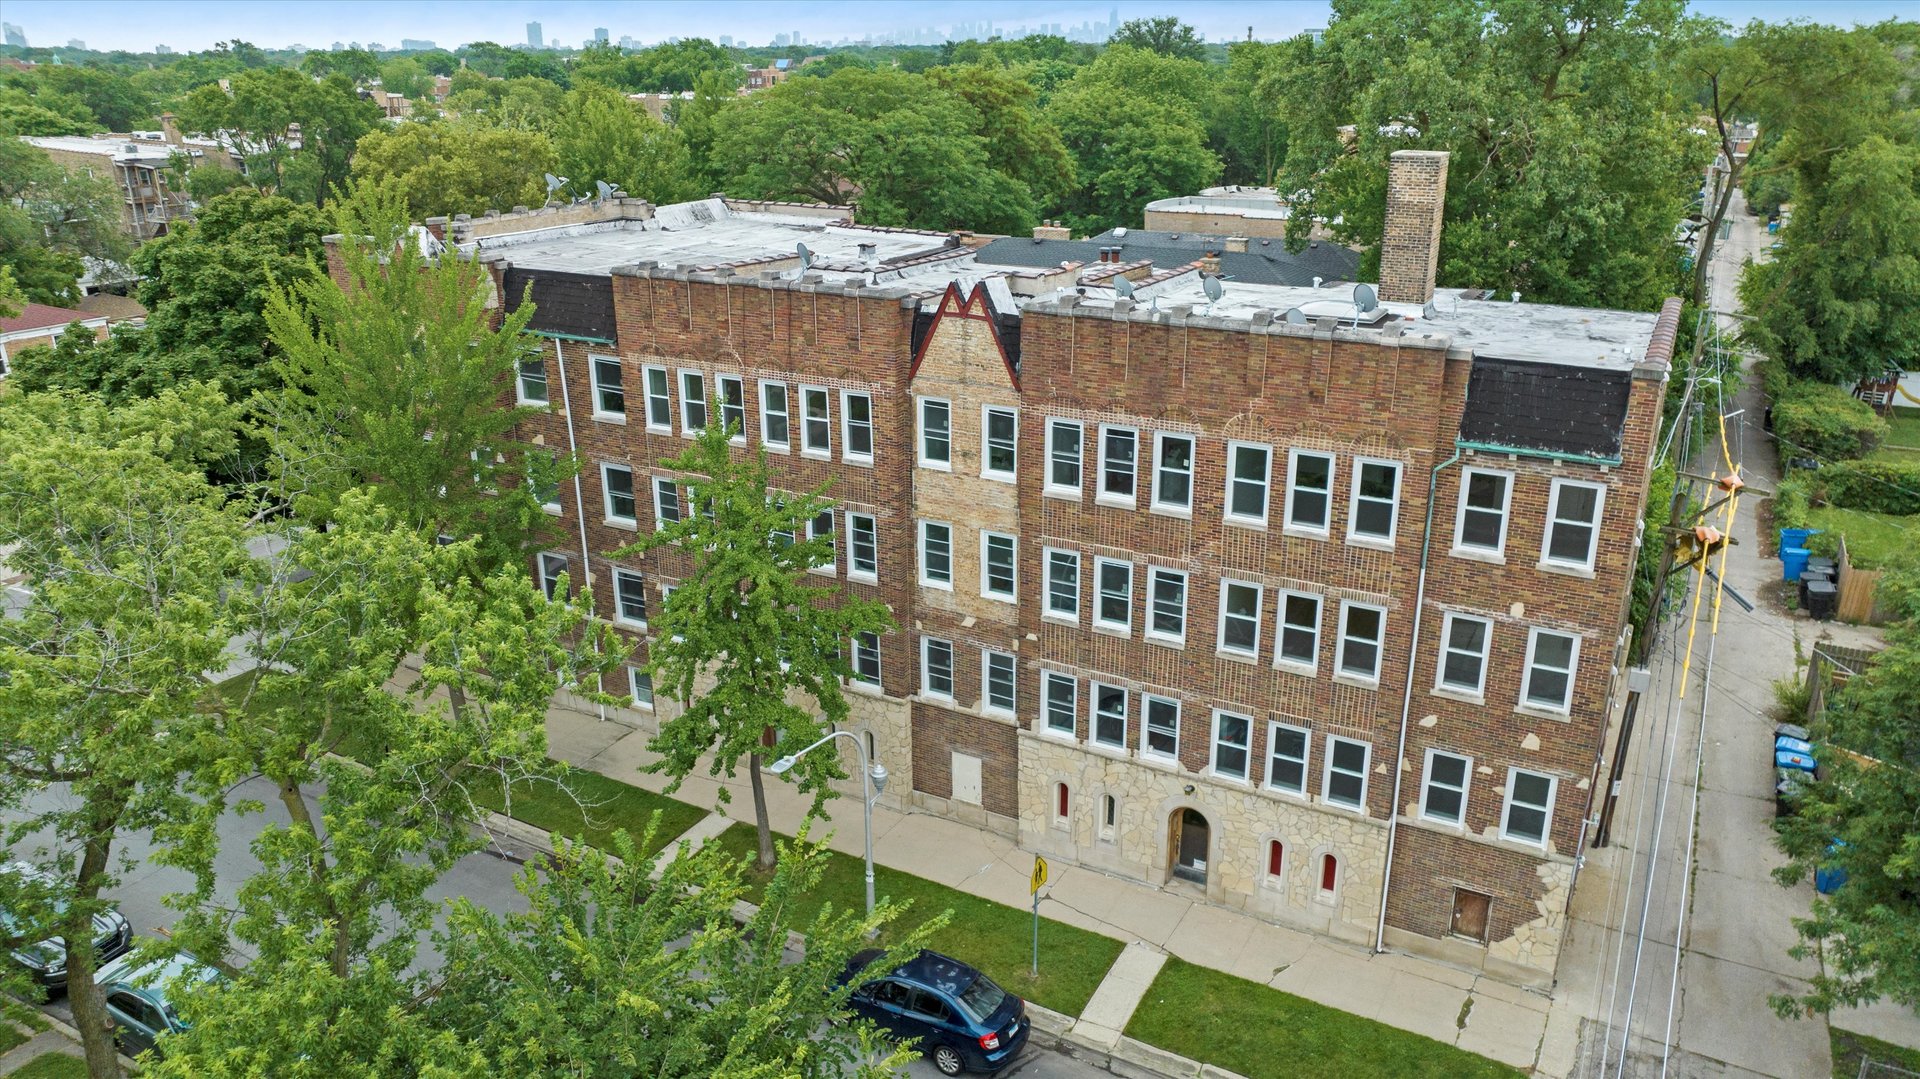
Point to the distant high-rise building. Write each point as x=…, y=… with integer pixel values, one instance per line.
x=627, y=42
x=337, y=46
x=15, y=35
x=375, y=46
x=600, y=34
x=163, y=50
x=726, y=41
x=779, y=40
x=534, y=40
x=414, y=44
x=797, y=39
x=76, y=44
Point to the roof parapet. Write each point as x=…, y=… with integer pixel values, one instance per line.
x=467, y=228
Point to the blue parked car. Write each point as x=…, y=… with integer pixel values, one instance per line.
x=957, y=1015
x=140, y=1010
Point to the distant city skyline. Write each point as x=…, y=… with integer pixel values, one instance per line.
x=192, y=25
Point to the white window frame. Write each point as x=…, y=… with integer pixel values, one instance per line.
x=858, y=647
x=520, y=395
x=690, y=400
x=1447, y=649
x=1160, y=503
x=1305, y=760
x=1328, y=769
x=854, y=571
x=1100, y=621
x=679, y=504
x=1354, y=498
x=634, y=675
x=594, y=388
x=768, y=412
x=1266, y=485
x=848, y=425
x=551, y=567
x=1546, y=811
x=1547, y=558
x=1012, y=594
x=1460, y=544
x=664, y=398
x=1148, y=628
x=926, y=669
x=1100, y=494
x=639, y=581
x=987, y=658
x=1216, y=744
x=807, y=448
x=1526, y=672
x=925, y=580
x=1147, y=703
x=722, y=383
x=1048, y=680
x=1379, y=643
x=1093, y=715
x=1051, y=556
x=551, y=462
x=1052, y=487
x=987, y=471
x=920, y=433
x=1427, y=784
x=1281, y=626
x=606, y=497
x=1325, y=527
x=831, y=567
x=1259, y=614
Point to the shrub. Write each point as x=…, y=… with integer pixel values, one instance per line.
x=1792, y=505
x=1876, y=486
x=1825, y=421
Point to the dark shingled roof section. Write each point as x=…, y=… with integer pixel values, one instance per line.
x=1546, y=406
x=573, y=304
x=1276, y=267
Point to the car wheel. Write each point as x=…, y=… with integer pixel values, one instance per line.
x=948, y=1060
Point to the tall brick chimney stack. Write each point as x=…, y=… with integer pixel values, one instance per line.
x=1410, y=246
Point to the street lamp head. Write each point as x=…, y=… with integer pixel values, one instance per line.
x=878, y=776
x=780, y=766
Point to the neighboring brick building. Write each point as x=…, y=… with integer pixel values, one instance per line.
x=140, y=164
x=1302, y=603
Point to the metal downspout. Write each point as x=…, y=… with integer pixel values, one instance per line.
x=579, y=499
x=1406, y=700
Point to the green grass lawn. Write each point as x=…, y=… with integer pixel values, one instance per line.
x=997, y=939
x=1873, y=539
x=1260, y=1032
x=1850, y=1048
x=53, y=1066
x=603, y=806
x=12, y=1037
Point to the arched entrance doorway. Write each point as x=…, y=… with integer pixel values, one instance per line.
x=1187, y=845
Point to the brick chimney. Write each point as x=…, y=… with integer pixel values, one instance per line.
x=1052, y=231
x=1237, y=243
x=1410, y=245
x=1210, y=263
x=169, y=130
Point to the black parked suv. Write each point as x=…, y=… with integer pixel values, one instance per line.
x=957, y=1015
x=46, y=960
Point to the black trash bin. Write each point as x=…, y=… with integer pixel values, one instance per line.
x=1818, y=564
x=1823, y=599
x=1808, y=577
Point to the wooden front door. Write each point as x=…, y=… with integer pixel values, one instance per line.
x=1470, y=914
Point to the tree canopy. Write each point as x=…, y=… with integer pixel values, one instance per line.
x=463, y=166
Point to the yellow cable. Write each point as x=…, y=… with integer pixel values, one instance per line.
x=1720, y=583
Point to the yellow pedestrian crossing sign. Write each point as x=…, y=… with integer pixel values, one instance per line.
x=1039, y=874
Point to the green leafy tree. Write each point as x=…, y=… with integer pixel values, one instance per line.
x=406, y=77
x=600, y=135
x=438, y=61
x=134, y=565
x=486, y=58
x=1248, y=125
x=358, y=65
x=1022, y=141
x=726, y=1002
x=694, y=119
x=51, y=220
x=25, y=113
x=457, y=167
x=678, y=66
x=115, y=100
x=1165, y=35
x=297, y=135
x=749, y=619
x=1135, y=122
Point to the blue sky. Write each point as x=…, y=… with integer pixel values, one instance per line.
x=197, y=24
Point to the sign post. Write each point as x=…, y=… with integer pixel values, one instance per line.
x=1039, y=878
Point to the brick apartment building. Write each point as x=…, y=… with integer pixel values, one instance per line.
x=1307, y=604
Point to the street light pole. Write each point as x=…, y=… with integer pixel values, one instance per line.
x=873, y=780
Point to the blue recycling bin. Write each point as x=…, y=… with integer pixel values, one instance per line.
x=1828, y=879
x=1787, y=758
x=1792, y=745
x=1793, y=562
x=1796, y=537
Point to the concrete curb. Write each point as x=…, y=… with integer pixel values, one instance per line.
x=62, y=1027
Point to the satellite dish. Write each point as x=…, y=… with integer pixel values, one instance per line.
x=1296, y=317
x=1211, y=286
x=605, y=189
x=1365, y=298
x=554, y=183
x=1427, y=310
x=1120, y=233
x=806, y=256
x=1123, y=288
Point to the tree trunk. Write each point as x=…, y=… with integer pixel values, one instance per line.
x=1711, y=232
x=760, y=821
x=89, y=1004
x=297, y=808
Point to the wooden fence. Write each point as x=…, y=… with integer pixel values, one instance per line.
x=1858, y=589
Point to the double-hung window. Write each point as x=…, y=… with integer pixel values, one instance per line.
x=1160, y=728
x=1287, y=758
x=863, y=547
x=733, y=407
x=816, y=422
x=936, y=434
x=1232, y=735
x=936, y=554
x=1119, y=452
x=1239, y=627
x=1166, y=605
x=1310, y=491
x=693, y=403
x=1529, y=810
x=640, y=688
x=1375, y=511
x=856, y=426
x=1573, y=524
x=1113, y=605
x=616, y=483
x=1362, y=627
x=1109, y=716
x=999, y=577
x=1481, y=524
x=1443, y=793
x=530, y=388
x=551, y=567
x=1551, y=658
x=1249, y=469
x=1173, y=473
x=997, y=676
x=936, y=667
x=609, y=398
x=629, y=598
x=820, y=526
x=666, y=502
x=659, y=399
x=1463, y=653
x=1345, y=782
x=1299, y=644
x=866, y=658
x=1062, y=704
x=1063, y=457
x=1063, y=584
x=1000, y=453
x=774, y=416
x=543, y=476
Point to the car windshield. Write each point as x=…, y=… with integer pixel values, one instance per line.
x=983, y=998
